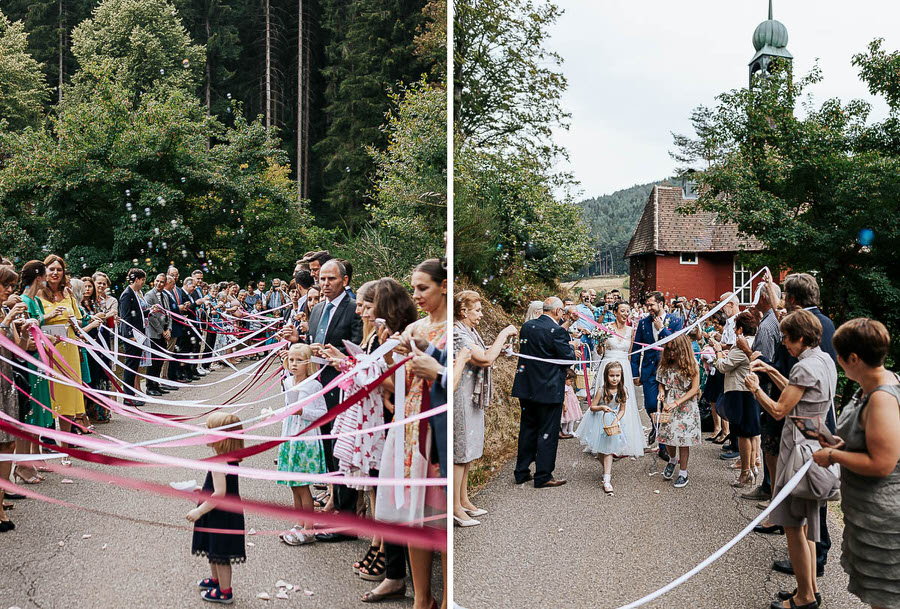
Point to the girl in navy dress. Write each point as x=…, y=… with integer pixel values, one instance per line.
x=221, y=549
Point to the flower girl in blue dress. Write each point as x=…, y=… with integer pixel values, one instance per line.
x=600, y=431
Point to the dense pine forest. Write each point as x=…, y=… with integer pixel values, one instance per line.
x=322, y=100
x=611, y=220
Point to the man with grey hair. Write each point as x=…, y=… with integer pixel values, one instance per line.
x=159, y=329
x=540, y=387
x=731, y=310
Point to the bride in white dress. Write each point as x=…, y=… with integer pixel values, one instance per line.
x=617, y=350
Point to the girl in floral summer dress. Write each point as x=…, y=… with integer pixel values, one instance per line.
x=304, y=456
x=679, y=379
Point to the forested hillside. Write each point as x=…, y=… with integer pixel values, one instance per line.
x=611, y=220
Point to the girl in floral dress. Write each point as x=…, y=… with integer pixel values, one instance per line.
x=679, y=379
x=304, y=456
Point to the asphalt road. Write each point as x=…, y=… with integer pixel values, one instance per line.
x=45, y=563
x=574, y=547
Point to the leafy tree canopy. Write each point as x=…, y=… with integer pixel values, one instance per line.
x=822, y=191
x=22, y=87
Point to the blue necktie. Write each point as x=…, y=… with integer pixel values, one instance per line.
x=323, y=324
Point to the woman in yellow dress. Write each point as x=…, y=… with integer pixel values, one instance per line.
x=67, y=401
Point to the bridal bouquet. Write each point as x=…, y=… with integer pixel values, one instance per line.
x=599, y=336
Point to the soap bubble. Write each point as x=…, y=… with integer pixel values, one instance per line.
x=186, y=63
x=160, y=200
x=164, y=245
x=201, y=253
x=84, y=266
x=174, y=223
x=133, y=217
x=161, y=71
x=866, y=236
x=147, y=260
x=128, y=206
x=134, y=262
x=127, y=193
x=228, y=95
x=149, y=244
x=146, y=211
x=183, y=179
x=156, y=231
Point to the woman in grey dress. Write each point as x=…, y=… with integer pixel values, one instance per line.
x=809, y=392
x=868, y=451
x=470, y=399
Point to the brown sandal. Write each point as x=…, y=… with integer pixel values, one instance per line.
x=373, y=597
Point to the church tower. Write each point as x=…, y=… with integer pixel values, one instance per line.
x=770, y=41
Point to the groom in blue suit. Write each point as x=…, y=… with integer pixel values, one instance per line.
x=650, y=329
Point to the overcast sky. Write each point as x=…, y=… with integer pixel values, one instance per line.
x=636, y=69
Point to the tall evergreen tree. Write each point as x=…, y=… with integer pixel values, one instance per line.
x=371, y=49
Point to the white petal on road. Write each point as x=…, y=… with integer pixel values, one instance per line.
x=66, y=481
x=86, y=536
x=264, y=596
x=281, y=594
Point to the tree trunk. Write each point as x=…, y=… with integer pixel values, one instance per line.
x=306, y=123
x=208, y=70
x=62, y=29
x=299, y=100
x=268, y=69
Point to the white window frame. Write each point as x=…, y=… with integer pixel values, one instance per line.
x=740, y=275
x=694, y=254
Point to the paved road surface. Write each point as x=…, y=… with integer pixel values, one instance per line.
x=574, y=547
x=149, y=566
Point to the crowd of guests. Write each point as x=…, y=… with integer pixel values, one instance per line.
x=165, y=329
x=742, y=374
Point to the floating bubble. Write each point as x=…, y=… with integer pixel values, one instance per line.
x=147, y=260
x=128, y=206
x=16, y=259
x=146, y=211
x=866, y=236
x=164, y=245
x=186, y=63
x=156, y=231
x=484, y=281
x=183, y=179
x=174, y=223
x=127, y=193
x=228, y=95
x=84, y=266
x=149, y=244
x=228, y=109
x=201, y=253
x=135, y=261
x=160, y=200
x=161, y=71
x=348, y=170
x=133, y=217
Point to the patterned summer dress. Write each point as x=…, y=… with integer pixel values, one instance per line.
x=684, y=428
x=302, y=456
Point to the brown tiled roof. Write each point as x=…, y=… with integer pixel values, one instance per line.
x=662, y=229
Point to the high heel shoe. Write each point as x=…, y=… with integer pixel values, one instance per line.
x=714, y=437
x=745, y=480
x=34, y=479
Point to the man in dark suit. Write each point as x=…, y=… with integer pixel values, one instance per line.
x=650, y=329
x=540, y=387
x=188, y=344
x=132, y=310
x=331, y=322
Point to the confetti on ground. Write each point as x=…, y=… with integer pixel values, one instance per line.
x=62, y=543
x=263, y=596
x=250, y=544
x=281, y=594
x=657, y=492
x=281, y=584
x=251, y=532
x=66, y=481
x=308, y=592
x=86, y=536
x=559, y=530
x=103, y=547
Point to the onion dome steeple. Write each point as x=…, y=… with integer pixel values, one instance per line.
x=770, y=41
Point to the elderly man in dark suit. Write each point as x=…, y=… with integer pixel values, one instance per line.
x=331, y=322
x=540, y=387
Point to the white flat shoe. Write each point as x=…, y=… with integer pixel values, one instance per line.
x=465, y=523
x=476, y=513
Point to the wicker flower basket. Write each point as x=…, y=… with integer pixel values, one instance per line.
x=663, y=417
x=613, y=429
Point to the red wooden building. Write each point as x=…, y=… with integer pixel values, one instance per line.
x=686, y=255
